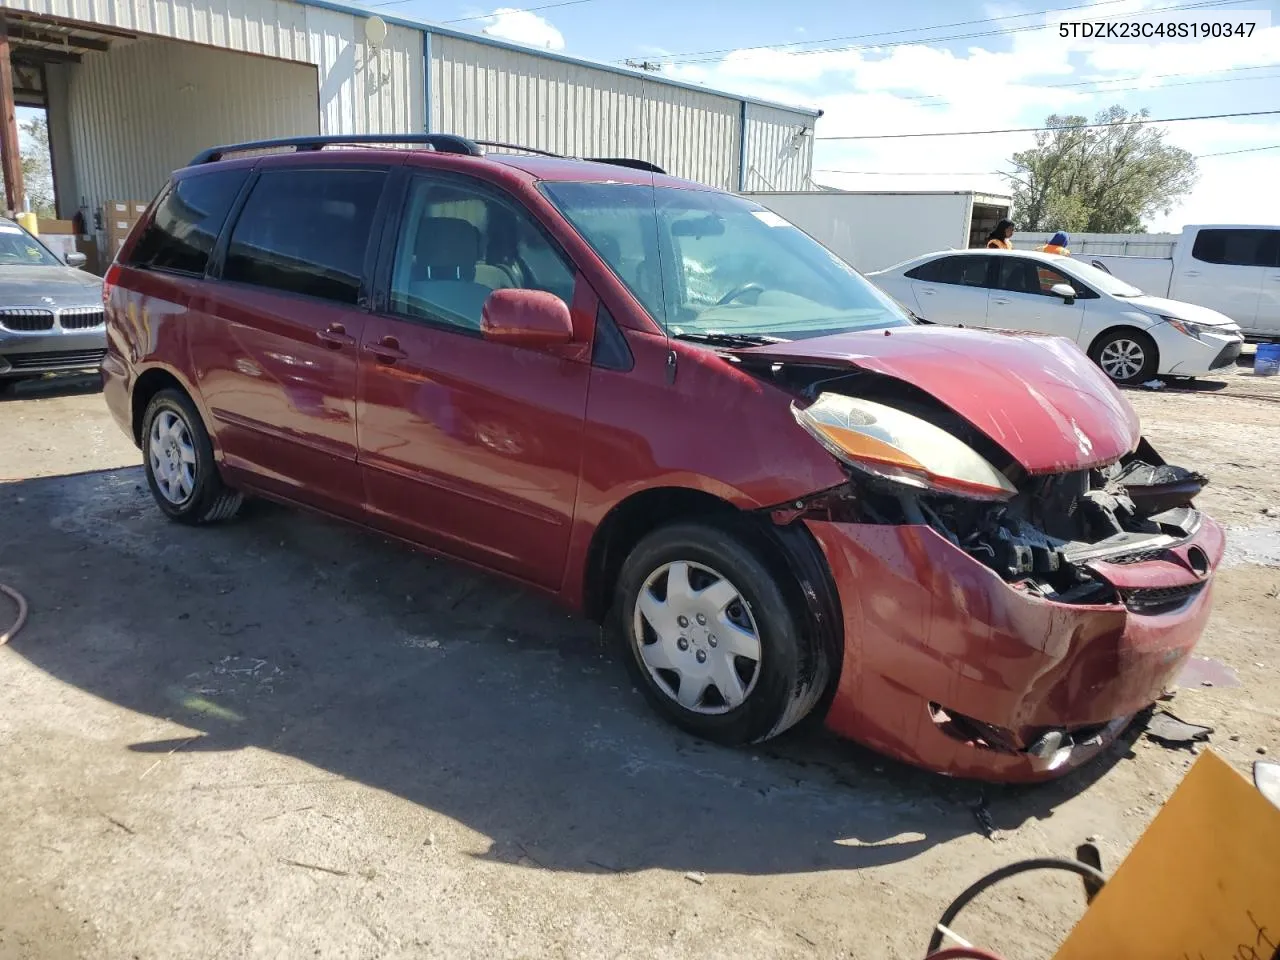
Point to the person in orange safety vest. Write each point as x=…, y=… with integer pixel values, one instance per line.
x=999, y=237
x=1057, y=245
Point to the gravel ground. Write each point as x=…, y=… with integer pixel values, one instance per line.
x=286, y=738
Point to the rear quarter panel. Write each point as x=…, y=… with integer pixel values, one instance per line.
x=147, y=316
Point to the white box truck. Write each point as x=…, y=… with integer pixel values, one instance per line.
x=1233, y=269
x=874, y=230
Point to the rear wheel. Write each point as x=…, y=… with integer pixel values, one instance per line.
x=1126, y=355
x=710, y=637
x=178, y=458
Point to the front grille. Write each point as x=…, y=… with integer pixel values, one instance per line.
x=1142, y=556
x=1230, y=353
x=26, y=319
x=1160, y=599
x=56, y=360
x=80, y=318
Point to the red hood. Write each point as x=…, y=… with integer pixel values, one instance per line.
x=1040, y=398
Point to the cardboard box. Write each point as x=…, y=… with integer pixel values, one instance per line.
x=129, y=210
x=59, y=227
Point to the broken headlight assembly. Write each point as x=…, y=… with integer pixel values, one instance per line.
x=895, y=446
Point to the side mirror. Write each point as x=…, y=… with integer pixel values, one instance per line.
x=1065, y=291
x=75, y=258
x=533, y=319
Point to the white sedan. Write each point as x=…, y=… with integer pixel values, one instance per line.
x=1131, y=336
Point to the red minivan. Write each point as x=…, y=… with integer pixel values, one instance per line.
x=678, y=414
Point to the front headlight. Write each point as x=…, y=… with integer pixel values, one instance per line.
x=1192, y=329
x=901, y=448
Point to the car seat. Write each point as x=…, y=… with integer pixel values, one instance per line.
x=446, y=252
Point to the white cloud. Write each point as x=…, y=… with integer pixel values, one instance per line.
x=914, y=88
x=521, y=26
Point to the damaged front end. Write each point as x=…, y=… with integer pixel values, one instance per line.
x=999, y=622
x=1055, y=535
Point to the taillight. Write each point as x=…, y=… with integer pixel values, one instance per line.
x=109, y=282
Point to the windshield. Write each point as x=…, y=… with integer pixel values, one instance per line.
x=710, y=264
x=19, y=247
x=1100, y=279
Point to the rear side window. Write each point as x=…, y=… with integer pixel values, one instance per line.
x=962, y=271
x=187, y=221
x=1240, y=248
x=306, y=231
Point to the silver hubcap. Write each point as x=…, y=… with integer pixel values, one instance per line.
x=173, y=457
x=697, y=638
x=1122, y=359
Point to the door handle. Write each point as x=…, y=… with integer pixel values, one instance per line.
x=1191, y=273
x=334, y=336
x=927, y=292
x=1000, y=300
x=386, y=350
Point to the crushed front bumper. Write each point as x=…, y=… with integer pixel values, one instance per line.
x=951, y=668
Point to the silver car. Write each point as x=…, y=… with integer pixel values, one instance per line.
x=50, y=312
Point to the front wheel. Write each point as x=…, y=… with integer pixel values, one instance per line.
x=1126, y=356
x=711, y=638
x=178, y=458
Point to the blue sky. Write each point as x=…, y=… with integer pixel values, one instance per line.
x=925, y=82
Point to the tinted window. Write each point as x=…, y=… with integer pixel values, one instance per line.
x=306, y=231
x=458, y=243
x=187, y=221
x=962, y=271
x=1242, y=248
x=1028, y=276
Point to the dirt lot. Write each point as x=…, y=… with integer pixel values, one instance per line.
x=284, y=738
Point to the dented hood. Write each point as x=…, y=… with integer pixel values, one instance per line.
x=1039, y=398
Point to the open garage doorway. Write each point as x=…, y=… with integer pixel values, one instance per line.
x=124, y=109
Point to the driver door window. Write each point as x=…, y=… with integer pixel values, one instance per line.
x=459, y=243
x=1023, y=299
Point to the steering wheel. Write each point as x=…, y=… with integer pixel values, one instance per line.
x=740, y=290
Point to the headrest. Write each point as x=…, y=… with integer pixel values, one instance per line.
x=448, y=248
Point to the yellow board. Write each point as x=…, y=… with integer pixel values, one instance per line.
x=1203, y=882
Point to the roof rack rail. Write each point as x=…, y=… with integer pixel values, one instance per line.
x=628, y=162
x=440, y=142
x=515, y=146
x=616, y=161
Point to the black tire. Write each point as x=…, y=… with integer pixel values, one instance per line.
x=791, y=673
x=1122, y=341
x=209, y=500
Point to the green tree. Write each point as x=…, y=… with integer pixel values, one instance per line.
x=37, y=167
x=1102, y=179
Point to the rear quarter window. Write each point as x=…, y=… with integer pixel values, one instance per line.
x=185, y=227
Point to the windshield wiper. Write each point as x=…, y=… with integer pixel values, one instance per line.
x=730, y=339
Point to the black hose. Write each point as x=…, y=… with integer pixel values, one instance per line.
x=1090, y=874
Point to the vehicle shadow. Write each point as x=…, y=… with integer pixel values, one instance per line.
x=451, y=689
x=53, y=385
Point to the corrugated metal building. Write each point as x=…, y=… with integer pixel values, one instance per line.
x=134, y=88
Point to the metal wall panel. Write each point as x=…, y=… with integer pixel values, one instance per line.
x=362, y=89
x=145, y=108
x=490, y=93
x=775, y=158
x=275, y=28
